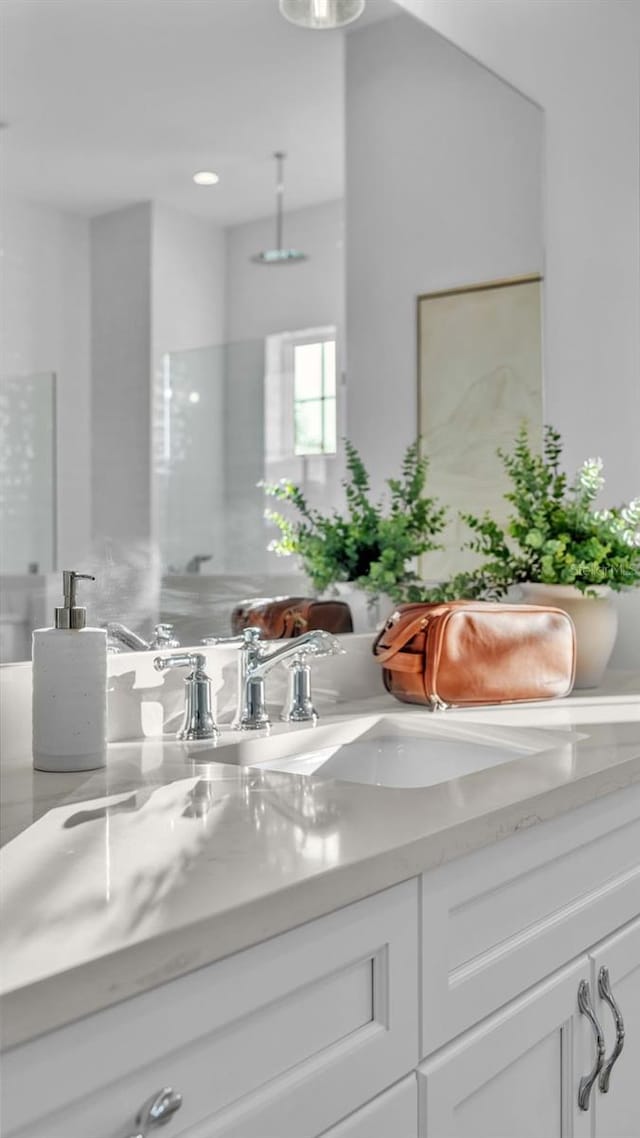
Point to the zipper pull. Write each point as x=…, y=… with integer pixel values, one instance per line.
x=437, y=704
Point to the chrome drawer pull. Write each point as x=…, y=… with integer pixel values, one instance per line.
x=586, y=1083
x=604, y=988
x=157, y=1111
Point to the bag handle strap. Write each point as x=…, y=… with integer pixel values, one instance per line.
x=410, y=663
x=294, y=621
x=403, y=662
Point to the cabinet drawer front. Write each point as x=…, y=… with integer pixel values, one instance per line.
x=393, y=1114
x=301, y=1029
x=498, y=921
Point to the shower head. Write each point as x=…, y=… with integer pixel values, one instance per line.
x=278, y=256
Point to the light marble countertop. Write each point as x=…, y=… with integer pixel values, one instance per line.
x=115, y=881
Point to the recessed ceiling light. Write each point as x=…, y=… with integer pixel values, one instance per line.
x=205, y=178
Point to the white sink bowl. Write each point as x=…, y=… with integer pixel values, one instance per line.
x=401, y=750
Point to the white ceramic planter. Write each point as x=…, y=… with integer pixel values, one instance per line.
x=595, y=620
x=368, y=612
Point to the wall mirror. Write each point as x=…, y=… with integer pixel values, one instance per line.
x=190, y=362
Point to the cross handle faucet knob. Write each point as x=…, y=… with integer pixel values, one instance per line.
x=198, y=722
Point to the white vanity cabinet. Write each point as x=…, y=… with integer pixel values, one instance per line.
x=446, y=1006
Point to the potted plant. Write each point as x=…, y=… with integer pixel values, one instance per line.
x=557, y=548
x=373, y=543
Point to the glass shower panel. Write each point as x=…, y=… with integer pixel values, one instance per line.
x=209, y=457
x=246, y=528
x=27, y=474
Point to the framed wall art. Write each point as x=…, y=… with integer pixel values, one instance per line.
x=479, y=379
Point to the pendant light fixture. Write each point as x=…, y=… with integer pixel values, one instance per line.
x=279, y=255
x=321, y=14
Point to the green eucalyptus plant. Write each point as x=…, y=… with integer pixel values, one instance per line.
x=371, y=544
x=554, y=535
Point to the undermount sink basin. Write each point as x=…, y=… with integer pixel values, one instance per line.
x=393, y=750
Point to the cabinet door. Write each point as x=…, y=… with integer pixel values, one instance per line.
x=618, y=1109
x=517, y=1074
x=393, y=1114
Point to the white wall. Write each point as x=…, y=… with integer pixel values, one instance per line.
x=264, y=299
x=121, y=346
x=44, y=301
x=443, y=189
x=157, y=287
x=581, y=63
x=188, y=282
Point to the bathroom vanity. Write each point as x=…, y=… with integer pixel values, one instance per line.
x=291, y=954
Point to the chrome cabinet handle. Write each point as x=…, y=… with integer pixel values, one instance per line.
x=604, y=988
x=157, y=1111
x=586, y=1083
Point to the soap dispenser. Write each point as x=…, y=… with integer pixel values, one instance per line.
x=70, y=688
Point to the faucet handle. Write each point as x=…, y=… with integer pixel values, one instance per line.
x=180, y=660
x=163, y=637
x=322, y=643
x=299, y=704
x=198, y=722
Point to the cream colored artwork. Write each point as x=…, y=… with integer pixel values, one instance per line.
x=479, y=379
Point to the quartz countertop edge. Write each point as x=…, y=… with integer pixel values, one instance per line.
x=64, y=996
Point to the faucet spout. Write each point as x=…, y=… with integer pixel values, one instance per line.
x=316, y=643
x=119, y=636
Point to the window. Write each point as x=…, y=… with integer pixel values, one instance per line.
x=314, y=397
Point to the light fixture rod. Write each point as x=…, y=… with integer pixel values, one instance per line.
x=279, y=255
x=279, y=157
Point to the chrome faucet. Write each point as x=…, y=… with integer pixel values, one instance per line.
x=255, y=661
x=120, y=637
x=198, y=559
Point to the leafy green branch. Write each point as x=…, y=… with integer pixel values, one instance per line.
x=372, y=543
x=554, y=535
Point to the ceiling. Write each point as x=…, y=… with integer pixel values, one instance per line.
x=109, y=102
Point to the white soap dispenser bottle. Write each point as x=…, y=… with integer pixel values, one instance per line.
x=70, y=688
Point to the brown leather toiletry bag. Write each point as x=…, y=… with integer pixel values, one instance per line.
x=280, y=618
x=466, y=653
